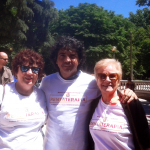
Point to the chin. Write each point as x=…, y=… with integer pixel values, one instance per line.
x=29, y=83
x=107, y=90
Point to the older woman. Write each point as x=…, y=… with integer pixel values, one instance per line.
x=115, y=125
x=23, y=106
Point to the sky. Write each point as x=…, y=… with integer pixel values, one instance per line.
x=119, y=6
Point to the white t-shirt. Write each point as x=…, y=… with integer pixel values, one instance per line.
x=21, y=118
x=110, y=129
x=68, y=103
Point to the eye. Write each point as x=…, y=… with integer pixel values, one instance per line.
x=73, y=56
x=25, y=67
x=102, y=76
x=62, y=55
x=112, y=76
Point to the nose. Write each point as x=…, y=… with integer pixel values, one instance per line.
x=67, y=59
x=29, y=71
x=107, y=78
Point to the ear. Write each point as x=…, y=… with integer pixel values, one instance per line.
x=56, y=60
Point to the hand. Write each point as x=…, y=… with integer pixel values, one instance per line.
x=127, y=96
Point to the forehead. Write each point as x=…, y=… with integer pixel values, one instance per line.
x=30, y=65
x=67, y=52
x=3, y=55
x=110, y=68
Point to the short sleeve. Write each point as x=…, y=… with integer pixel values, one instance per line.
x=1, y=93
x=10, y=76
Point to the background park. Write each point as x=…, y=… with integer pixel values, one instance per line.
x=35, y=24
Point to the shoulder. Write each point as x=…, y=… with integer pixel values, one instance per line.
x=136, y=108
x=6, y=68
x=135, y=103
x=39, y=96
x=49, y=77
x=87, y=79
x=38, y=91
x=10, y=85
x=86, y=75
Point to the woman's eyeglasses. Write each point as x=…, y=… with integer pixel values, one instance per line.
x=112, y=76
x=26, y=68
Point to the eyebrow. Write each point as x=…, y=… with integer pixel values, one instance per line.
x=61, y=53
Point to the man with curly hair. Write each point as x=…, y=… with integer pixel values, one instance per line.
x=5, y=73
x=69, y=93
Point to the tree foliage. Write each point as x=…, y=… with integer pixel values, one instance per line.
x=100, y=30
x=143, y=2
x=35, y=24
x=141, y=41
x=25, y=22
x=141, y=18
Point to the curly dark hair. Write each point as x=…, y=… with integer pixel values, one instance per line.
x=28, y=56
x=68, y=43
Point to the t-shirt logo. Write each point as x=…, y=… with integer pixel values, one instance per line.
x=68, y=98
x=25, y=114
x=67, y=95
x=106, y=124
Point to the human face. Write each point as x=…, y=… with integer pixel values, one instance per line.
x=67, y=61
x=110, y=84
x=27, y=78
x=3, y=59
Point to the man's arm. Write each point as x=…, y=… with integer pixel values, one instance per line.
x=127, y=95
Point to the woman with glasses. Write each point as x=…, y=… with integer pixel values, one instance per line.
x=115, y=125
x=23, y=106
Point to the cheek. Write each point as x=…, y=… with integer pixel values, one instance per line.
x=116, y=84
x=36, y=76
x=75, y=61
x=99, y=83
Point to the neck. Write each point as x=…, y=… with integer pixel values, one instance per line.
x=22, y=90
x=1, y=68
x=66, y=76
x=107, y=97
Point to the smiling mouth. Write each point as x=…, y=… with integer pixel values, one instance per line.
x=68, y=67
x=28, y=78
x=107, y=85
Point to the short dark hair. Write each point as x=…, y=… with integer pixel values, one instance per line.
x=129, y=79
x=28, y=56
x=68, y=43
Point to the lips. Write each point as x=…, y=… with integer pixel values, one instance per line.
x=68, y=67
x=29, y=78
x=107, y=85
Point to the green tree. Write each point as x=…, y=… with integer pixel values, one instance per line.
x=141, y=18
x=141, y=41
x=143, y=2
x=25, y=22
x=100, y=30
